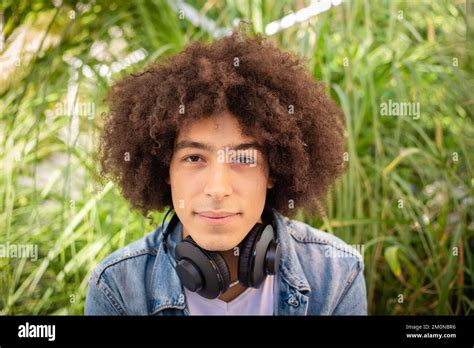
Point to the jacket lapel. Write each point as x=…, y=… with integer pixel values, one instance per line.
x=167, y=290
x=291, y=286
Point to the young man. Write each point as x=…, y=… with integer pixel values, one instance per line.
x=234, y=137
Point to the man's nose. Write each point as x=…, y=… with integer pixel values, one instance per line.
x=219, y=182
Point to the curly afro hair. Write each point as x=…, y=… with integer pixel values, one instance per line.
x=268, y=90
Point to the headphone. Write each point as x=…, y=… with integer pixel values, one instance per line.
x=206, y=272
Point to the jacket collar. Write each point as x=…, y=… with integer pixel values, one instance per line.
x=291, y=286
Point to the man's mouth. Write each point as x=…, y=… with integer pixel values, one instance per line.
x=217, y=217
x=216, y=214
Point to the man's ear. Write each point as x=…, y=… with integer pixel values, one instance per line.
x=270, y=183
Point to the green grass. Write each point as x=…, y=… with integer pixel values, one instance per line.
x=407, y=196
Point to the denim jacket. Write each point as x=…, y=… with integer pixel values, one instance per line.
x=319, y=275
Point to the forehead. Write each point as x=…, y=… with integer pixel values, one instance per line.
x=217, y=129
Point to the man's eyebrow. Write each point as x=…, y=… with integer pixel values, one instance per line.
x=192, y=144
x=202, y=146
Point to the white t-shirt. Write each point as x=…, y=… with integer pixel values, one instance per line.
x=251, y=302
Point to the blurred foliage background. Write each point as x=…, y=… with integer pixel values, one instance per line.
x=407, y=195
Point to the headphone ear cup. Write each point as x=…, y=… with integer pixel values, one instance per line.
x=205, y=272
x=245, y=258
x=259, y=256
x=222, y=268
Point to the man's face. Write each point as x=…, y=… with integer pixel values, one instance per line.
x=218, y=190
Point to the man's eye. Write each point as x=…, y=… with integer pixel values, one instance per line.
x=244, y=160
x=192, y=159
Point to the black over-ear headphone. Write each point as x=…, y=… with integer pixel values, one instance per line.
x=206, y=272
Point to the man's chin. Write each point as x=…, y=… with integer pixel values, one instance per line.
x=208, y=243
